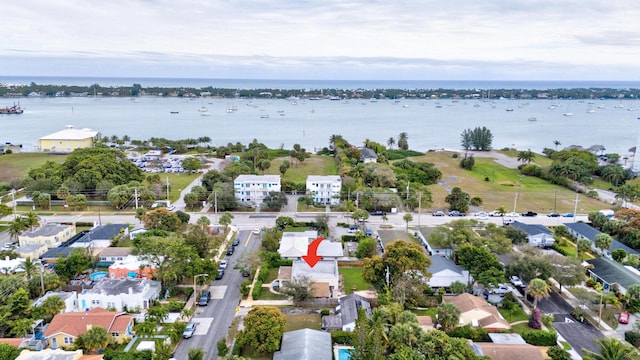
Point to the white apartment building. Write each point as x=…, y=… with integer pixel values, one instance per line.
x=324, y=189
x=252, y=189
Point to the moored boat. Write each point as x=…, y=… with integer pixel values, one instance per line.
x=15, y=109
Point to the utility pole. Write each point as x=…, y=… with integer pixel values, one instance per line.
x=419, y=207
x=135, y=193
x=13, y=200
x=515, y=201
x=575, y=208
x=215, y=206
x=168, y=191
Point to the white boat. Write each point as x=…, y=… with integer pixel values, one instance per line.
x=591, y=111
x=508, y=109
x=264, y=116
x=533, y=118
x=203, y=109
x=567, y=114
x=619, y=106
x=205, y=114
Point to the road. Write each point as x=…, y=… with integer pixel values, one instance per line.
x=214, y=320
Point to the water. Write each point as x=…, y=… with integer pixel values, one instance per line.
x=344, y=354
x=430, y=124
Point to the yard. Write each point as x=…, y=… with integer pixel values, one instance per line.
x=18, y=165
x=301, y=321
x=352, y=278
x=298, y=172
x=498, y=185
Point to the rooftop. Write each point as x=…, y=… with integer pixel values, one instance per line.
x=257, y=178
x=76, y=323
x=349, y=306
x=440, y=263
x=70, y=133
x=116, y=251
x=305, y=344
x=323, y=178
x=116, y=287
x=613, y=272
x=103, y=232
x=322, y=270
x=531, y=229
x=48, y=229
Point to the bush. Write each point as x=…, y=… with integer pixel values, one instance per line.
x=632, y=338
x=244, y=287
x=557, y=248
x=257, y=289
x=558, y=353
x=341, y=337
x=455, y=155
x=540, y=337
x=531, y=170
x=467, y=163
x=467, y=332
x=351, y=238
x=534, y=319
x=325, y=312
x=223, y=349
x=264, y=273
x=509, y=302
x=547, y=320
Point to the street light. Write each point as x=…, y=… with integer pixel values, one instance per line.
x=195, y=289
x=41, y=276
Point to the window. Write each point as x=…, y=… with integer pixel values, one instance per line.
x=115, y=334
x=119, y=258
x=111, y=305
x=68, y=340
x=95, y=302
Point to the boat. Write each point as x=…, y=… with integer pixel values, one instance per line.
x=591, y=111
x=174, y=112
x=203, y=109
x=205, y=114
x=533, y=118
x=335, y=98
x=567, y=114
x=15, y=109
x=509, y=109
x=264, y=116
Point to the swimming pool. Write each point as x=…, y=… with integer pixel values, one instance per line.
x=344, y=354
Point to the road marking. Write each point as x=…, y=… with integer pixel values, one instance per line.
x=217, y=292
x=204, y=324
x=568, y=321
x=248, y=239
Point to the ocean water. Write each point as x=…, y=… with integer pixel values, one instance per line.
x=430, y=124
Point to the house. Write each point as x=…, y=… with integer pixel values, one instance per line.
x=444, y=272
x=347, y=313
x=51, y=235
x=120, y=294
x=324, y=189
x=70, y=299
x=425, y=322
x=610, y=273
x=537, y=235
x=323, y=275
x=477, y=312
x=368, y=155
x=252, y=189
x=67, y=140
x=100, y=237
x=112, y=254
x=131, y=267
x=51, y=354
x=65, y=328
x=33, y=251
x=295, y=245
x=585, y=231
x=434, y=245
x=9, y=265
x=509, y=351
x=305, y=344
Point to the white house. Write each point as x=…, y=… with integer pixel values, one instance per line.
x=537, y=235
x=324, y=189
x=8, y=265
x=252, y=189
x=324, y=276
x=70, y=299
x=295, y=245
x=586, y=231
x=118, y=294
x=368, y=155
x=346, y=313
x=444, y=272
x=100, y=237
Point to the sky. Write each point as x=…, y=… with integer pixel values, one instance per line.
x=323, y=39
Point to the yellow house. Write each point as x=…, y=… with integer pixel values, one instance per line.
x=51, y=235
x=67, y=140
x=65, y=328
x=478, y=312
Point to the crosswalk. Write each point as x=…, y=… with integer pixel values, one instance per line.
x=217, y=292
x=204, y=323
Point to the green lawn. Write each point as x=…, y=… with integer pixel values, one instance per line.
x=298, y=172
x=353, y=278
x=177, y=182
x=18, y=165
x=513, y=315
x=265, y=294
x=301, y=321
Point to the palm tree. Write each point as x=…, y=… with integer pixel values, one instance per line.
x=448, y=316
x=51, y=306
x=603, y=242
x=195, y=354
x=95, y=338
x=16, y=227
x=526, y=156
x=31, y=220
x=402, y=141
x=407, y=217
x=29, y=267
x=612, y=349
x=203, y=221
x=390, y=142
x=556, y=143
x=583, y=246
x=539, y=289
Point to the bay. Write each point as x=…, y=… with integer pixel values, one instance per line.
x=430, y=124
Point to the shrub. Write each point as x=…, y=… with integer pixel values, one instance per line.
x=223, y=349
x=264, y=273
x=467, y=332
x=632, y=338
x=455, y=155
x=467, y=163
x=547, y=320
x=341, y=337
x=325, y=312
x=257, y=289
x=557, y=248
x=351, y=238
x=558, y=353
x=531, y=170
x=244, y=287
x=534, y=319
x=540, y=337
x=509, y=302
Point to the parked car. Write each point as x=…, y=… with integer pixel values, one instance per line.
x=378, y=213
x=623, y=318
x=223, y=264
x=553, y=215
x=220, y=274
x=256, y=231
x=204, y=298
x=189, y=330
x=231, y=250
x=481, y=215
x=512, y=214
x=438, y=213
x=276, y=284
x=496, y=213
x=235, y=242
x=352, y=229
x=568, y=215
x=515, y=281
x=245, y=272
x=529, y=213
x=501, y=289
x=456, y=213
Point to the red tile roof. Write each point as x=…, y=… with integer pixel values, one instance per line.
x=77, y=323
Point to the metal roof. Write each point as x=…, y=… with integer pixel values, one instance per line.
x=305, y=344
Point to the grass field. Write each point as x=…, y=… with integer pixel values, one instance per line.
x=18, y=165
x=177, y=182
x=298, y=172
x=301, y=321
x=498, y=185
x=353, y=277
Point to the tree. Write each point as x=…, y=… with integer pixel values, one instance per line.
x=298, y=289
x=284, y=167
x=16, y=227
x=390, y=142
x=403, y=142
x=458, y=287
x=191, y=199
x=526, y=156
x=119, y=196
x=31, y=220
x=619, y=255
x=162, y=219
x=558, y=353
x=360, y=216
x=263, y=329
x=583, y=245
x=468, y=162
x=95, y=338
x=225, y=219
x=191, y=164
x=614, y=174
x=448, y=316
x=612, y=349
x=458, y=200
x=196, y=354
x=483, y=265
x=8, y=352
x=51, y=306
x=275, y=200
x=72, y=265
x=29, y=266
x=401, y=256
x=603, y=242
x=567, y=271
x=203, y=221
x=366, y=248
x=476, y=139
x=407, y=217
x=539, y=289
x=157, y=314
x=5, y=210
x=556, y=143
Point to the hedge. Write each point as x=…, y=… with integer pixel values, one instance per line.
x=540, y=337
x=257, y=289
x=341, y=337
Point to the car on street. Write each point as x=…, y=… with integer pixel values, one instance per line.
x=220, y=274
x=230, y=251
x=378, y=213
x=501, y=289
x=456, y=213
x=204, y=298
x=529, y=213
x=235, y=242
x=512, y=214
x=567, y=215
x=256, y=231
x=189, y=330
x=515, y=281
x=438, y=213
x=496, y=213
x=623, y=318
x=553, y=215
x=223, y=264
x=481, y=215
x=245, y=272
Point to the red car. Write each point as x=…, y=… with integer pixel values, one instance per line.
x=623, y=318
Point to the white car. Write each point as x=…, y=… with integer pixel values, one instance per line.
x=516, y=281
x=256, y=231
x=481, y=215
x=502, y=289
x=496, y=213
x=223, y=264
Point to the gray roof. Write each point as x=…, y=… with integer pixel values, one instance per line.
x=368, y=153
x=331, y=322
x=349, y=306
x=590, y=233
x=103, y=232
x=305, y=344
x=61, y=294
x=613, y=272
x=531, y=229
x=49, y=229
x=439, y=263
x=59, y=252
x=48, y=354
x=121, y=286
